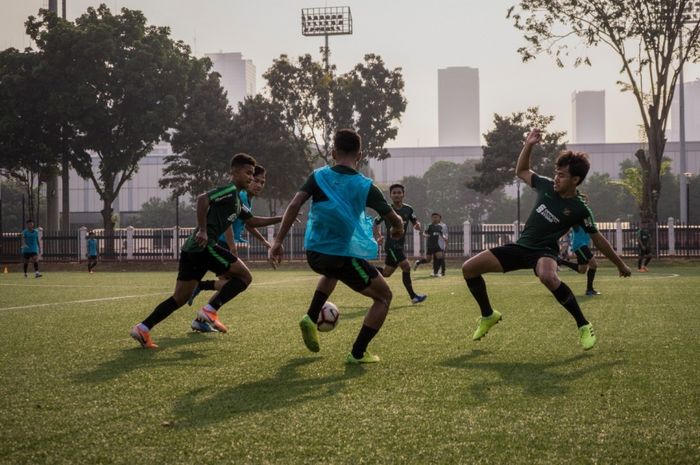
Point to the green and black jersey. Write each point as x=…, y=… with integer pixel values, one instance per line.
x=224, y=207
x=407, y=215
x=436, y=236
x=375, y=198
x=553, y=216
x=643, y=238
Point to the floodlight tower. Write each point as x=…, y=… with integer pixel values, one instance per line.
x=691, y=15
x=326, y=21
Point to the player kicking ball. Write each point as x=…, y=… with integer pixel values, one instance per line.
x=216, y=210
x=558, y=208
x=339, y=240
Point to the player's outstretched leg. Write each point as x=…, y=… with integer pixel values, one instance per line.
x=142, y=331
x=238, y=278
x=380, y=293
x=472, y=269
x=309, y=330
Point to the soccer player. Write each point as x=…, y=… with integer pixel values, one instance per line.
x=585, y=261
x=644, y=245
x=394, y=247
x=436, y=246
x=232, y=239
x=31, y=248
x=558, y=208
x=216, y=210
x=92, y=251
x=339, y=240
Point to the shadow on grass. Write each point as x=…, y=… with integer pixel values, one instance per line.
x=538, y=379
x=200, y=408
x=134, y=358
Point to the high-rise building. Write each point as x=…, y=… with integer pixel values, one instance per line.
x=458, y=106
x=237, y=75
x=691, y=101
x=588, y=117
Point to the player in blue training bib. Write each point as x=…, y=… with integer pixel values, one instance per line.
x=92, y=251
x=31, y=248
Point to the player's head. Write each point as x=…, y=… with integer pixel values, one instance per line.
x=347, y=144
x=436, y=218
x=242, y=170
x=397, y=192
x=259, y=179
x=30, y=224
x=570, y=170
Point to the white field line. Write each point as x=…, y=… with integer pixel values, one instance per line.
x=104, y=299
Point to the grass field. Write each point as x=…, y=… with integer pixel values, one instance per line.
x=76, y=389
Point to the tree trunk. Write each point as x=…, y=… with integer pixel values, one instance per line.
x=651, y=175
x=108, y=225
x=65, y=194
x=52, y=203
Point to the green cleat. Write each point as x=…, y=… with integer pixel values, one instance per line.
x=310, y=333
x=485, y=323
x=366, y=358
x=587, y=336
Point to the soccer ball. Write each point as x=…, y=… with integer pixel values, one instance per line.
x=328, y=317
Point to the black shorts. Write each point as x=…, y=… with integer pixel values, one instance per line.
x=433, y=250
x=583, y=255
x=194, y=265
x=92, y=257
x=356, y=273
x=394, y=256
x=644, y=251
x=515, y=257
x=28, y=255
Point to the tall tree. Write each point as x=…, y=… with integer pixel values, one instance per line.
x=645, y=35
x=202, y=140
x=134, y=79
x=315, y=101
x=503, y=144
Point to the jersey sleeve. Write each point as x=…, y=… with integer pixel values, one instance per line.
x=221, y=194
x=412, y=216
x=377, y=202
x=541, y=182
x=309, y=186
x=588, y=223
x=245, y=213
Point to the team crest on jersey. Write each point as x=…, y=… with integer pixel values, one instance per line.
x=549, y=216
x=232, y=217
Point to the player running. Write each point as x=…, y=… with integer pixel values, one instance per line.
x=558, y=208
x=435, y=246
x=216, y=210
x=395, y=257
x=339, y=240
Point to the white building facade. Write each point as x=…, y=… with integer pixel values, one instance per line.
x=237, y=75
x=458, y=106
x=588, y=117
x=691, y=102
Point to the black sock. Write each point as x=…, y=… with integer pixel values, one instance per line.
x=406, y=278
x=590, y=276
x=207, y=285
x=26, y=265
x=477, y=286
x=647, y=260
x=316, y=305
x=639, y=263
x=36, y=266
x=362, y=341
x=442, y=266
x=230, y=290
x=161, y=312
x=436, y=265
x=568, y=264
x=565, y=297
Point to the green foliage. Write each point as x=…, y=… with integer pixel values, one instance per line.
x=132, y=88
x=505, y=141
x=316, y=102
x=435, y=398
x=608, y=199
x=158, y=213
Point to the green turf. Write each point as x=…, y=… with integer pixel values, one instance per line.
x=76, y=389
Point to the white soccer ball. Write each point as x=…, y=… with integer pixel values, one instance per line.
x=328, y=317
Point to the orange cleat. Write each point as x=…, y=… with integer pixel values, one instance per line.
x=143, y=338
x=212, y=318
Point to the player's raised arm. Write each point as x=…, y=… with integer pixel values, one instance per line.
x=202, y=208
x=604, y=246
x=522, y=169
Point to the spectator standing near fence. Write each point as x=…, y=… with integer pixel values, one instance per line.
x=31, y=248
x=92, y=252
x=644, y=246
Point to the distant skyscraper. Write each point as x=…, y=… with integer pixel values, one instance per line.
x=588, y=117
x=237, y=75
x=692, y=113
x=458, y=106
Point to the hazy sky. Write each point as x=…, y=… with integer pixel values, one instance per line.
x=418, y=36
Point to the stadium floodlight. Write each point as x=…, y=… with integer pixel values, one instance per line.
x=326, y=21
x=691, y=15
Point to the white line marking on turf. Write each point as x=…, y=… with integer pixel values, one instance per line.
x=81, y=301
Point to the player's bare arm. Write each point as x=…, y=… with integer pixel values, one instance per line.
x=396, y=231
x=290, y=215
x=604, y=246
x=377, y=230
x=228, y=234
x=258, y=235
x=522, y=168
x=202, y=208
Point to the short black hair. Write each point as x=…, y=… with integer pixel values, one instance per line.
x=395, y=186
x=259, y=169
x=576, y=161
x=347, y=141
x=242, y=159
x=30, y=221
x=436, y=214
